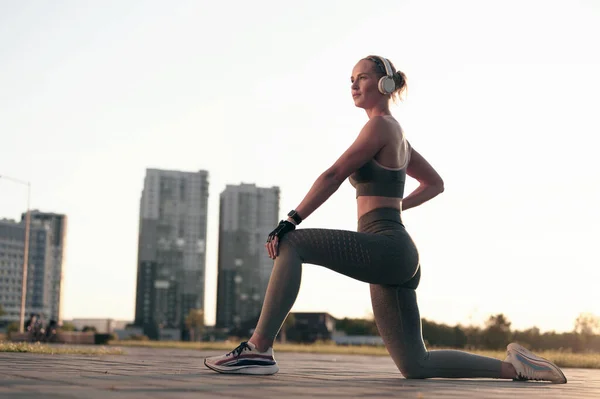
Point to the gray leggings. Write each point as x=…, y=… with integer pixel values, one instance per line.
x=382, y=254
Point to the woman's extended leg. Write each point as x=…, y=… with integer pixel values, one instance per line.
x=399, y=322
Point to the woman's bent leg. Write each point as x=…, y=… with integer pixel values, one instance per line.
x=366, y=257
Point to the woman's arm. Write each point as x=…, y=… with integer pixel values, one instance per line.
x=430, y=182
x=325, y=185
x=369, y=142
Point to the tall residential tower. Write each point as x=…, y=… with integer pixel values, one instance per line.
x=247, y=215
x=171, y=249
x=44, y=267
x=56, y=225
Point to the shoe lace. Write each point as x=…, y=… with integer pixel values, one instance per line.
x=523, y=377
x=520, y=377
x=241, y=347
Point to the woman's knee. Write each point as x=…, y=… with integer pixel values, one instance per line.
x=286, y=248
x=412, y=370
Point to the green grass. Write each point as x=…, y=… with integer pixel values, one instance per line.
x=562, y=359
x=25, y=347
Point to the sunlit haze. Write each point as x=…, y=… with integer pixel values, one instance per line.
x=503, y=100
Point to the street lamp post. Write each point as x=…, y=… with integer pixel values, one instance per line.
x=25, y=252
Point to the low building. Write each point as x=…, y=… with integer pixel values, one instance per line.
x=310, y=327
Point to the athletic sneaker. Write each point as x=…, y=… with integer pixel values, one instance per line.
x=245, y=359
x=532, y=367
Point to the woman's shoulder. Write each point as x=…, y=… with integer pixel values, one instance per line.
x=385, y=124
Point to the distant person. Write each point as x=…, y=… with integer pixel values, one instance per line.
x=51, y=331
x=381, y=253
x=29, y=321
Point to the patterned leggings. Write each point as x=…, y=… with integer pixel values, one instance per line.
x=382, y=254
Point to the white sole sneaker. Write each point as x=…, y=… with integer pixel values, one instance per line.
x=245, y=359
x=533, y=367
x=251, y=370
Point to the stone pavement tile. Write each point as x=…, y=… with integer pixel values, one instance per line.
x=46, y=377
x=427, y=390
x=73, y=392
x=15, y=380
x=33, y=395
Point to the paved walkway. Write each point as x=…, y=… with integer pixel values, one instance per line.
x=166, y=373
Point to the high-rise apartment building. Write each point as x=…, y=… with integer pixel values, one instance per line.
x=56, y=225
x=44, y=269
x=247, y=215
x=171, y=249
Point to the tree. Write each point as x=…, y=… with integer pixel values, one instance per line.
x=2, y=312
x=194, y=322
x=530, y=338
x=89, y=329
x=443, y=335
x=587, y=324
x=12, y=327
x=357, y=326
x=496, y=334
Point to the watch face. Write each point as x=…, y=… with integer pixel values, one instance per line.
x=294, y=215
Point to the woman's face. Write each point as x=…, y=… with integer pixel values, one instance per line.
x=364, y=85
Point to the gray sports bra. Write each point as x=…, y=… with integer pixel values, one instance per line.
x=373, y=179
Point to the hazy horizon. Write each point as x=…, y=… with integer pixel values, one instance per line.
x=502, y=100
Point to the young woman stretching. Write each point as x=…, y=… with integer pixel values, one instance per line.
x=380, y=253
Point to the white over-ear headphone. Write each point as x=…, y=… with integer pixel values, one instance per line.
x=386, y=83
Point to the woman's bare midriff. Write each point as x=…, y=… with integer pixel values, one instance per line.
x=366, y=204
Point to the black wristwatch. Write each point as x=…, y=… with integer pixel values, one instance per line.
x=294, y=215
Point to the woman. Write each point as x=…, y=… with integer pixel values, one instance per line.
x=380, y=253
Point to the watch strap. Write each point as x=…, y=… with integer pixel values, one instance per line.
x=294, y=215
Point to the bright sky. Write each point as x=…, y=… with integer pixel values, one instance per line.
x=503, y=99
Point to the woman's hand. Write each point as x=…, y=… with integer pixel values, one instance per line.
x=272, y=244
